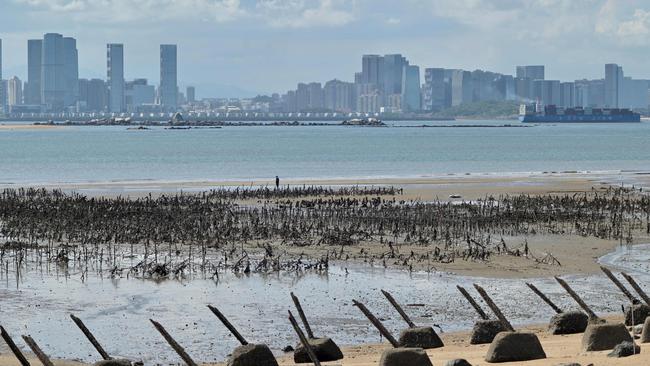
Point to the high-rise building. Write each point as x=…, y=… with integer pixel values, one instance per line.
x=191, y=94
x=533, y=72
x=3, y=98
x=138, y=93
x=168, y=77
x=14, y=91
x=372, y=70
x=93, y=94
x=315, y=96
x=613, y=86
x=53, y=73
x=339, y=96
x=393, y=74
x=567, y=94
x=434, y=97
x=115, y=77
x=32, y=89
x=461, y=87
x=71, y=72
x=411, y=99
x=635, y=93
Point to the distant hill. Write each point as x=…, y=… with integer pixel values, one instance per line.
x=482, y=110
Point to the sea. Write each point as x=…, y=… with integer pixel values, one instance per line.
x=82, y=154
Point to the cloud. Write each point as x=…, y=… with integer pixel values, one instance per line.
x=300, y=14
x=111, y=11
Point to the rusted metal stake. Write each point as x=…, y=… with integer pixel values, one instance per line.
x=380, y=327
x=577, y=298
x=230, y=327
x=37, y=351
x=90, y=337
x=495, y=308
x=303, y=318
x=543, y=297
x=303, y=340
x=177, y=347
x=618, y=284
x=10, y=342
x=399, y=309
x=473, y=302
x=636, y=287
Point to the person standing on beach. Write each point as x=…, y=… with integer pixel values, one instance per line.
x=277, y=182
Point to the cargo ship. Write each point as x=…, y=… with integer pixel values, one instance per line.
x=535, y=113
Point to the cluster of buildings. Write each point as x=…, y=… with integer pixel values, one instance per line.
x=53, y=84
x=389, y=84
x=385, y=84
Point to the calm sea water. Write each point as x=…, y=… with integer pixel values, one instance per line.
x=100, y=154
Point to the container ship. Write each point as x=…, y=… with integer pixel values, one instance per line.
x=534, y=113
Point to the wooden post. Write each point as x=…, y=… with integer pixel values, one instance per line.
x=577, y=298
x=473, y=302
x=399, y=309
x=618, y=284
x=90, y=337
x=10, y=342
x=303, y=318
x=230, y=327
x=177, y=347
x=636, y=287
x=494, y=307
x=37, y=351
x=303, y=340
x=543, y=297
x=380, y=327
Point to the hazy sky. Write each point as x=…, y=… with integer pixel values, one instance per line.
x=270, y=45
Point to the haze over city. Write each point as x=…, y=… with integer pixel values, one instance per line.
x=236, y=48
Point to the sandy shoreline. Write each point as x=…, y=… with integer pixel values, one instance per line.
x=558, y=348
x=9, y=127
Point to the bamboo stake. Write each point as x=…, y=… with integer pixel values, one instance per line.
x=577, y=298
x=399, y=309
x=636, y=287
x=37, y=351
x=16, y=351
x=543, y=297
x=230, y=327
x=618, y=284
x=177, y=347
x=90, y=337
x=303, y=340
x=494, y=307
x=473, y=302
x=303, y=318
x=380, y=327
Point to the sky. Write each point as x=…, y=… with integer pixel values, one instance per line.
x=231, y=48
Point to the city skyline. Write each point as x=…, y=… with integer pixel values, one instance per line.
x=305, y=40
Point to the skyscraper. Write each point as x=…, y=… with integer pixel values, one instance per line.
x=411, y=99
x=191, y=94
x=461, y=87
x=71, y=72
x=393, y=74
x=434, y=89
x=32, y=88
x=534, y=72
x=168, y=77
x=14, y=91
x=3, y=99
x=613, y=86
x=115, y=77
x=53, y=72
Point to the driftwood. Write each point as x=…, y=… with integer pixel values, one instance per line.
x=577, y=298
x=303, y=340
x=226, y=323
x=399, y=309
x=544, y=297
x=494, y=307
x=473, y=302
x=380, y=327
x=90, y=337
x=636, y=287
x=174, y=345
x=618, y=284
x=45, y=360
x=12, y=346
x=302, y=315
